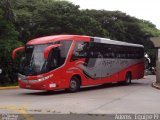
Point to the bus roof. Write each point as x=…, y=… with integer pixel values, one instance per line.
x=115, y=42
x=53, y=38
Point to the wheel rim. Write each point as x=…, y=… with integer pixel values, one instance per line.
x=73, y=84
x=128, y=79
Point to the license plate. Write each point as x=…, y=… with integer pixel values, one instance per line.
x=52, y=85
x=28, y=86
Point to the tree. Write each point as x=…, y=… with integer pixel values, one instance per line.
x=47, y=17
x=8, y=41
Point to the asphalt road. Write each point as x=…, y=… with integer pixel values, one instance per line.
x=139, y=97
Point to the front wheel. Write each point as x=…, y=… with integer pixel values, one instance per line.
x=74, y=84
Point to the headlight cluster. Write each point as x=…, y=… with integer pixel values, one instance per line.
x=24, y=79
x=41, y=79
x=0, y=71
x=45, y=78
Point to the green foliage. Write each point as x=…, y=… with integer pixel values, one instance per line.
x=8, y=41
x=124, y=27
x=148, y=28
x=47, y=17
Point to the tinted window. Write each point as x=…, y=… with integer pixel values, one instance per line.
x=123, y=52
x=58, y=55
x=97, y=50
x=33, y=61
x=80, y=50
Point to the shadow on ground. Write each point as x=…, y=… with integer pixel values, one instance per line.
x=84, y=89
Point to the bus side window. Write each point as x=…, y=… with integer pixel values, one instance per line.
x=54, y=58
x=80, y=50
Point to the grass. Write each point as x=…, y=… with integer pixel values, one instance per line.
x=8, y=84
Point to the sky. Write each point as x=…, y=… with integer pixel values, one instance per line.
x=143, y=9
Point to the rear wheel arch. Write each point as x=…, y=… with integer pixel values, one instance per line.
x=129, y=73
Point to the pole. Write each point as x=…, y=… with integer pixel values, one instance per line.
x=158, y=67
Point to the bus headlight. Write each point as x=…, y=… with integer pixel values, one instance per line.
x=22, y=78
x=41, y=79
x=0, y=71
x=45, y=78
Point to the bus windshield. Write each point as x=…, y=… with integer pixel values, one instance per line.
x=33, y=62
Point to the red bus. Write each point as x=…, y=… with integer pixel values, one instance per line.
x=71, y=61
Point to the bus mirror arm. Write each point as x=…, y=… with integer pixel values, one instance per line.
x=16, y=50
x=49, y=48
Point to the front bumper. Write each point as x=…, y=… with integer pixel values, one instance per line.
x=45, y=85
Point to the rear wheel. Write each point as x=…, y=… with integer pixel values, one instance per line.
x=128, y=79
x=74, y=84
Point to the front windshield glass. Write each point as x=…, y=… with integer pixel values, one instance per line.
x=33, y=62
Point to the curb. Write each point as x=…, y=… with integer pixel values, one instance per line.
x=155, y=85
x=9, y=87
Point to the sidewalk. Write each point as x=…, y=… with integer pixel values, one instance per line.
x=9, y=87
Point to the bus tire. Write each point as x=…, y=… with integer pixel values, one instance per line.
x=74, y=85
x=128, y=79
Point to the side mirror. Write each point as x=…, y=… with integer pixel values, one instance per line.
x=48, y=49
x=16, y=50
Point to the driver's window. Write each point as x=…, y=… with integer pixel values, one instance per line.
x=58, y=56
x=54, y=58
